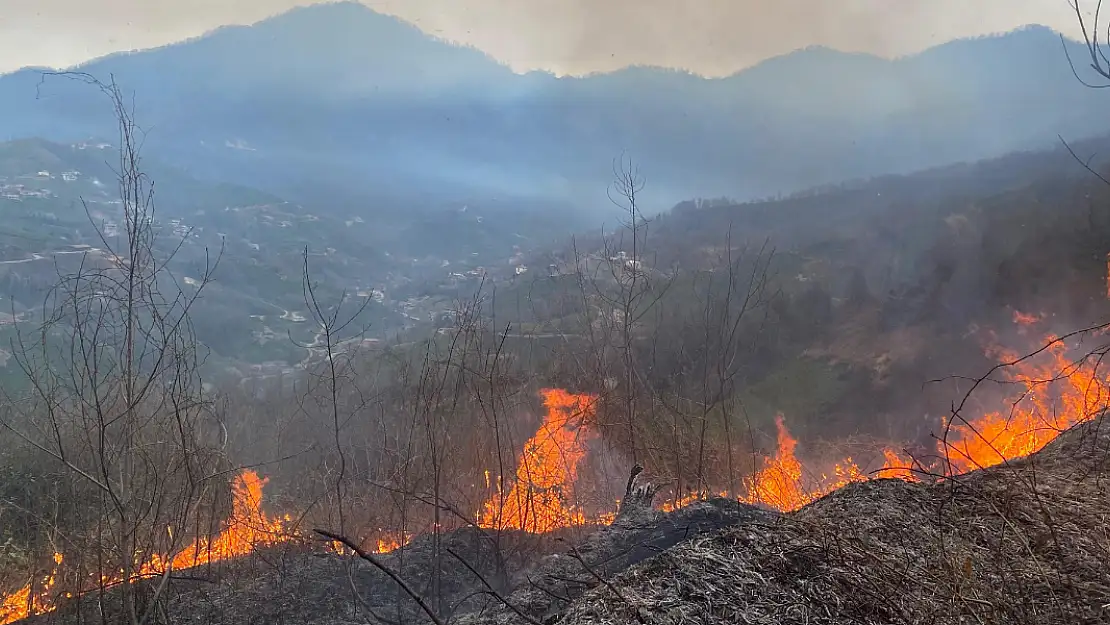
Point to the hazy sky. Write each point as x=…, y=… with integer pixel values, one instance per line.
x=567, y=36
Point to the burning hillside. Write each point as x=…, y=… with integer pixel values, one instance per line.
x=1052, y=393
x=1020, y=543
x=247, y=529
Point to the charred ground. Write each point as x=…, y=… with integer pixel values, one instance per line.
x=1023, y=542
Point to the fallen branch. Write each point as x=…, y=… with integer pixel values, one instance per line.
x=636, y=611
x=384, y=569
x=491, y=591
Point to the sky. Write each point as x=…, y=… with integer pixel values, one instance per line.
x=710, y=37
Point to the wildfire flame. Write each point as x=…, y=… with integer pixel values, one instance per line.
x=248, y=528
x=687, y=499
x=779, y=483
x=896, y=466
x=1051, y=398
x=541, y=495
x=784, y=485
x=391, y=541
x=27, y=600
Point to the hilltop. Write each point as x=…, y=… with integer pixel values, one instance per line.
x=338, y=96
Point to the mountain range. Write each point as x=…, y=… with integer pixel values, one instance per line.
x=339, y=100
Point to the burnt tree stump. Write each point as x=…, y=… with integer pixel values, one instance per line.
x=639, y=494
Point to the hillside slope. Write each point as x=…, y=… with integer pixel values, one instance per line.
x=873, y=289
x=60, y=208
x=1024, y=543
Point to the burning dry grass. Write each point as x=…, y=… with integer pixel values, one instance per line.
x=1022, y=542
x=248, y=529
x=538, y=500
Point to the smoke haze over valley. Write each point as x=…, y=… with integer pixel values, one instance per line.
x=332, y=94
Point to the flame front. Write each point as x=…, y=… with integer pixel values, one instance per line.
x=541, y=496
x=784, y=485
x=247, y=529
x=1051, y=398
x=28, y=600
x=779, y=483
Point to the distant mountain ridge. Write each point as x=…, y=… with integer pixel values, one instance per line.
x=339, y=97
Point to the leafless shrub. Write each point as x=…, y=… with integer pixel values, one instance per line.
x=116, y=400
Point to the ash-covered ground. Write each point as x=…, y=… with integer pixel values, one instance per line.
x=1024, y=542
x=469, y=575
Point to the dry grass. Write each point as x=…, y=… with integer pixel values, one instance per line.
x=544, y=591
x=857, y=343
x=1023, y=543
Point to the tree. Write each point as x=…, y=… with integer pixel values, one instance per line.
x=116, y=396
x=1092, y=26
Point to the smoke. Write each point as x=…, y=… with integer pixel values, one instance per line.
x=711, y=37
x=720, y=37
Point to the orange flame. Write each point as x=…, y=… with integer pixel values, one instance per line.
x=247, y=529
x=391, y=541
x=1027, y=319
x=539, y=500
x=782, y=483
x=1051, y=398
x=687, y=499
x=778, y=484
x=28, y=600
x=896, y=466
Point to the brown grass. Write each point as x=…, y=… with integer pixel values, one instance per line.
x=1024, y=543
